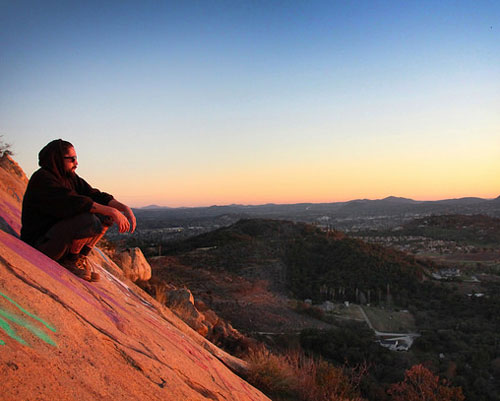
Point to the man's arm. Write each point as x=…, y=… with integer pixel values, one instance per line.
x=124, y=222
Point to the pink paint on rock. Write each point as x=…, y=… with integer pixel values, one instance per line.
x=13, y=218
x=56, y=271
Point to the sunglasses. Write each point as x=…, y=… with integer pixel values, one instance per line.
x=72, y=158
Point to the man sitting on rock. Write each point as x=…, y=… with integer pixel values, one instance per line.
x=63, y=216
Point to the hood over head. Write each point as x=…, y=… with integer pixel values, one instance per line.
x=51, y=157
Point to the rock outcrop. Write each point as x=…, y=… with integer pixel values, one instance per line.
x=134, y=264
x=197, y=315
x=181, y=301
x=66, y=339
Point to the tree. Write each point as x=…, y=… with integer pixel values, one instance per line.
x=4, y=148
x=420, y=384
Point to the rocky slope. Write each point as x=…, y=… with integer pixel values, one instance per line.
x=13, y=183
x=66, y=339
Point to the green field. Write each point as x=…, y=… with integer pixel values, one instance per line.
x=389, y=320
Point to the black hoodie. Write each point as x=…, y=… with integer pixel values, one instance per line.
x=52, y=195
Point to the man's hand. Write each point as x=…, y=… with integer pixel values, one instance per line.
x=131, y=218
x=125, y=222
x=121, y=221
x=127, y=212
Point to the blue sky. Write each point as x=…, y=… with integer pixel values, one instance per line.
x=214, y=102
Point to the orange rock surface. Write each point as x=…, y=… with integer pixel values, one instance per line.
x=62, y=338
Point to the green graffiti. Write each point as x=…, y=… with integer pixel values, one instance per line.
x=25, y=311
x=9, y=330
x=4, y=324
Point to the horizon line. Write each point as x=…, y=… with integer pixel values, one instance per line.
x=307, y=203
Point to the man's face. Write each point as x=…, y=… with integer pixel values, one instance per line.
x=70, y=161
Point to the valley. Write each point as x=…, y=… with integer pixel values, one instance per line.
x=429, y=287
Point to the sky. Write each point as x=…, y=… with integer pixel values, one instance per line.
x=198, y=103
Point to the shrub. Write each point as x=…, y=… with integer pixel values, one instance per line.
x=4, y=148
x=310, y=310
x=421, y=384
x=272, y=375
x=156, y=288
x=297, y=377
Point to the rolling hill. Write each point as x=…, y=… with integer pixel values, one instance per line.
x=302, y=261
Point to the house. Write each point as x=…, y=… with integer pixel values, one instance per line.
x=476, y=294
x=397, y=344
x=450, y=273
x=328, y=306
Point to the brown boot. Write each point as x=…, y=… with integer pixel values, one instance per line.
x=77, y=268
x=94, y=276
x=81, y=268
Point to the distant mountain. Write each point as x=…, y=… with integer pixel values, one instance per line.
x=391, y=207
x=153, y=207
x=387, y=199
x=386, y=206
x=396, y=199
x=462, y=201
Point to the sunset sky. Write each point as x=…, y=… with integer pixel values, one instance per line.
x=188, y=103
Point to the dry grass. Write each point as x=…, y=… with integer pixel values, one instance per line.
x=272, y=375
x=297, y=377
x=158, y=290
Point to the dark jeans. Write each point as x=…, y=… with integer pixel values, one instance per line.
x=56, y=242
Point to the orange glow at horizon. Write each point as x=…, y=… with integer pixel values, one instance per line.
x=313, y=183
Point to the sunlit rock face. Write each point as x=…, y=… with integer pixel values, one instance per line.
x=67, y=339
x=60, y=335
x=134, y=264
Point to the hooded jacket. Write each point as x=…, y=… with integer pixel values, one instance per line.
x=52, y=195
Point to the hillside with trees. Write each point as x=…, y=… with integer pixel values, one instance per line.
x=311, y=263
x=459, y=333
